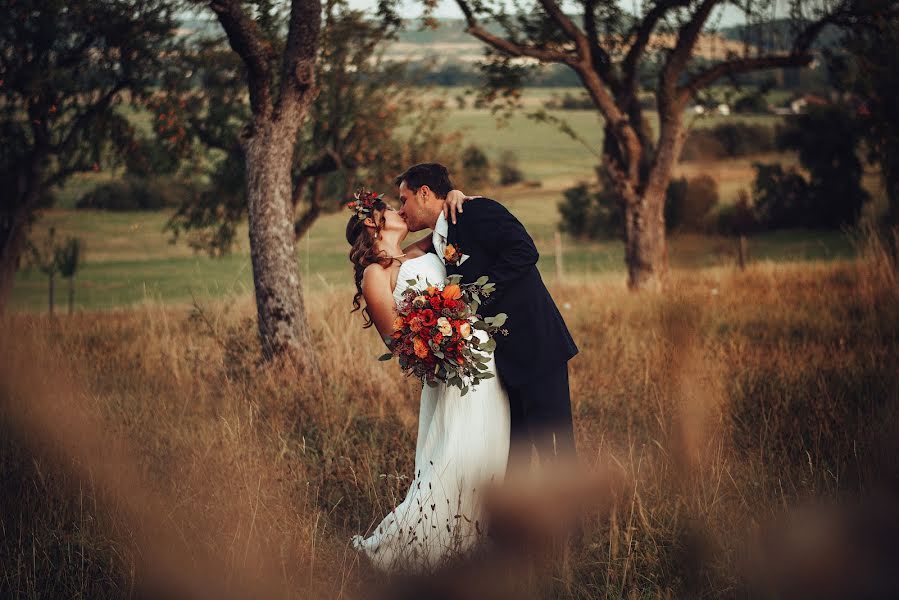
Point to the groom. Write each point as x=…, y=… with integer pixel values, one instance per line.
x=532, y=360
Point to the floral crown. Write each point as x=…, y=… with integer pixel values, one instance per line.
x=364, y=202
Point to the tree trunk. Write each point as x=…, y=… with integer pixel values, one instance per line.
x=12, y=238
x=645, y=246
x=72, y=295
x=14, y=227
x=283, y=327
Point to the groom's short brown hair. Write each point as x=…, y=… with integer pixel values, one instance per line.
x=433, y=175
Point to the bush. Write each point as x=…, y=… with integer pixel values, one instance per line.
x=728, y=140
x=781, y=197
x=689, y=202
x=592, y=211
x=827, y=139
x=136, y=193
x=475, y=166
x=509, y=172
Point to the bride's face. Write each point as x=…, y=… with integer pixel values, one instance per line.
x=393, y=223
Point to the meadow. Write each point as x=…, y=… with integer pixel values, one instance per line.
x=741, y=426
x=147, y=453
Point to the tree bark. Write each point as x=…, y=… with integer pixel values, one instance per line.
x=72, y=295
x=279, y=303
x=645, y=246
x=14, y=227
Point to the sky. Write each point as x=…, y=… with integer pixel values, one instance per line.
x=449, y=9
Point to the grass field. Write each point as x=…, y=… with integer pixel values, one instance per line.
x=749, y=419
x=129, y=258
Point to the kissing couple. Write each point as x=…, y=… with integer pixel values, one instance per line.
x=465, y=441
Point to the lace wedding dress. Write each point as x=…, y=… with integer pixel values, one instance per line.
x=463, y=443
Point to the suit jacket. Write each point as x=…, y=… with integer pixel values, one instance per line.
x=499, y=247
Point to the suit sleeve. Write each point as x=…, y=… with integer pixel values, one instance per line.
x=497, y=230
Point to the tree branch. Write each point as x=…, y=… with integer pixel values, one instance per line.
x=82, y=120
x=298, y=67
x=302, y=225
x=643, y=34
x=247, y=41
x=598, y=55
x=741, y=65
x=509, y=47
x=677, y=61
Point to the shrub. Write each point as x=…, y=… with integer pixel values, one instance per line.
x=136, y=193
x=728, y=140
x=827, y=139
x=781, y=197
x=592, y=211
x=509, y=172
x=475, y=166
x=689, y=202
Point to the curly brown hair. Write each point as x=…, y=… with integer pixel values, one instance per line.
x=363, y=252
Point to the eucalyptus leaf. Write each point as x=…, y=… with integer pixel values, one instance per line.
x=481, y=280
x=387, y=356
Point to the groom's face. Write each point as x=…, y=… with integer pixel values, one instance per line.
x=413, y=207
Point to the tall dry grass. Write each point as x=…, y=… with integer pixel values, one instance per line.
x=148, y=453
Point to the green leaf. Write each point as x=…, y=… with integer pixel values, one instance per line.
x=387, y=356
x=480, y=325
x=464, y=390
x=482, y=280
x=487, y=375
x=488, y=346
x=497, y=321
x=412, y=282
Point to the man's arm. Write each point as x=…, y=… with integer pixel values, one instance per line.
x=494, y=227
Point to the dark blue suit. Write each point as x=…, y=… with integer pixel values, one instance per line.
x=532, y=360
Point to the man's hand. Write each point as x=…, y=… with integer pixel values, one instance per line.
x=453, y=203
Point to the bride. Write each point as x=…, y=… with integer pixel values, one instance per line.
x=463, y=441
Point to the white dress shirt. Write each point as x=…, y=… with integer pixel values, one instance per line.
x=438, y=238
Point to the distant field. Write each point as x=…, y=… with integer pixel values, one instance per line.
x=129, y=258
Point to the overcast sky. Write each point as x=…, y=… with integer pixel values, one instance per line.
x=449, y=9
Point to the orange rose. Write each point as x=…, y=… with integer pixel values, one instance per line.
x=452, y=292
x=421, y=349
x=398, y=323
x=432, y=290
x=415, y=324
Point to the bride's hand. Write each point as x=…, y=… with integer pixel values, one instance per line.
x=454, y=201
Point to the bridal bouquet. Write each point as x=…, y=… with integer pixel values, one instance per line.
x=439, y=335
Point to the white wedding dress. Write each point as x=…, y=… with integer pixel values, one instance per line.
x=463, y=444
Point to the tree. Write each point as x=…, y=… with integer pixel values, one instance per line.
x=64, y=66
x=607, y=49
x=868, y=65
x=356, y=126
x=827, y=139
x=69, y=258
x=278, y=47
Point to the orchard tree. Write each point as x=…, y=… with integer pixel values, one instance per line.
x=609, y=49
x=64, y=66
x=280, y=79
x=350, y=124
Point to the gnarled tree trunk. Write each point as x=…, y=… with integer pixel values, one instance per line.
x=279, y=302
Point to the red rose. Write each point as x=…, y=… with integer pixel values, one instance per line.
x=428, y=318
x=436, y=302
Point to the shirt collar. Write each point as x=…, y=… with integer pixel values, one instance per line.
x=442, y=226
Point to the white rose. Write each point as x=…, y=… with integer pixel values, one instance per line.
x=445, y=327
x=465, y=330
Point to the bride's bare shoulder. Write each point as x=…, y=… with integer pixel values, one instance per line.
x=375, y=274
